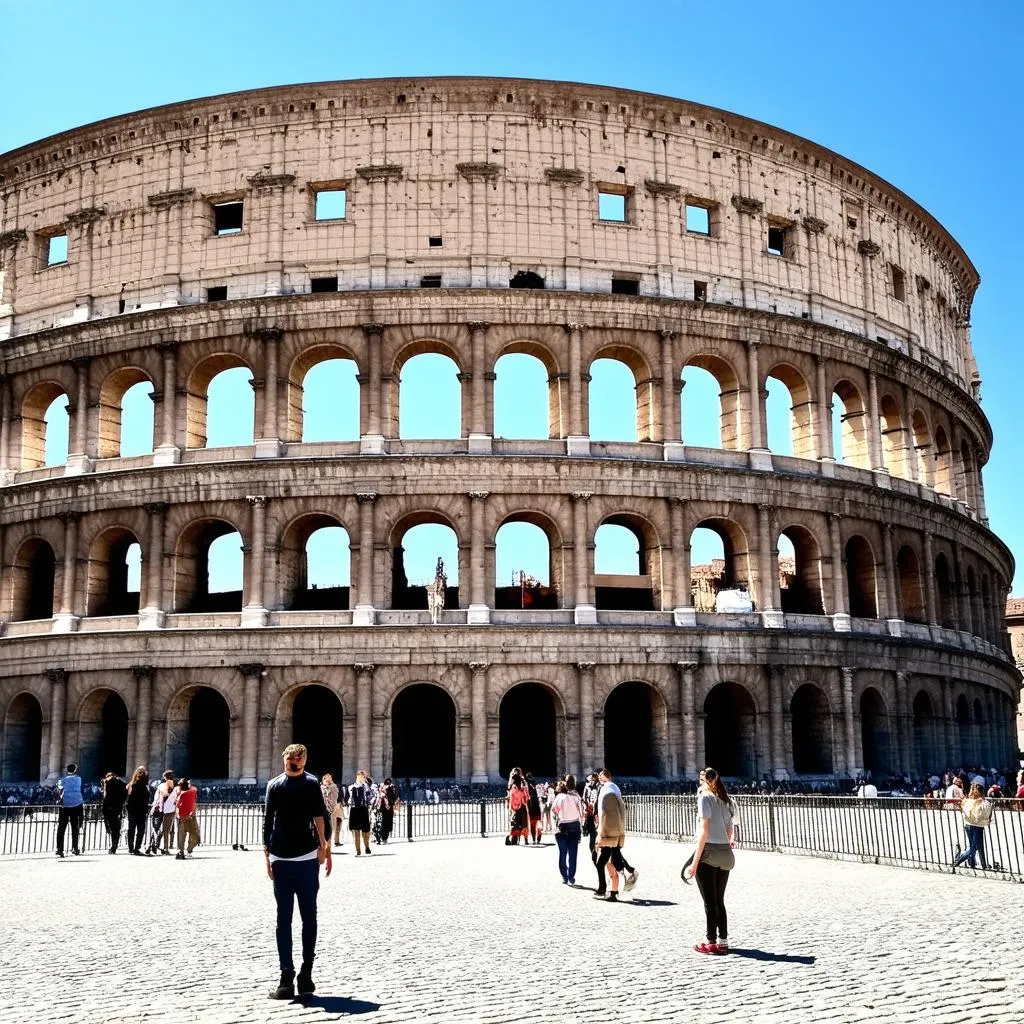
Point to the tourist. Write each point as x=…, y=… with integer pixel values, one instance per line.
x=360, y=799
x=69, y=791
x=384, y=814
x=977, y=812
x=590, y=791
x=611, y=837
x=164, y=802
x=295, y=844
x=567, y=810
x=867, y=790
x=329, y=789
x=518, y=809
x=136, y=805
x=607, y=784
x=713, y=859
x=954, y=793
x=533, y=808
x=115, y=792
x=547, y=791
x=188, y=823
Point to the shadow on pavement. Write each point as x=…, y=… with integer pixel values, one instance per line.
x=338, y=1004
x=647, y=903
x=775, y=958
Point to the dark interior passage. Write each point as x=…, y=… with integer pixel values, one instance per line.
x=209, y=735
x=23, y=740
x=874, y=731
x=423, y=733
x=629, y=731
x=729, y=730
x=317, y=720
x=812, y=732
x=105, y=741
x=40, y=583
x=527, y=737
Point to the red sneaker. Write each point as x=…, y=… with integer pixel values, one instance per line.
x=705, y=947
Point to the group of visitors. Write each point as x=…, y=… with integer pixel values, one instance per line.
x=362, y=802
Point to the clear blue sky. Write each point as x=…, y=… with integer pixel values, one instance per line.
x=923, y=94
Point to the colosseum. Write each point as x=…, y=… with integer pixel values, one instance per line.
x=379, y=223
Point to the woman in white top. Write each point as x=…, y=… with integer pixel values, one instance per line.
x=977, y=811
x=567, y=810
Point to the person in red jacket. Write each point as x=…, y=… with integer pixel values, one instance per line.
x=188, y=824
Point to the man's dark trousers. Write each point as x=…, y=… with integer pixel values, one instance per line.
x=296, y=880
x=112, y=819
x=65, y=815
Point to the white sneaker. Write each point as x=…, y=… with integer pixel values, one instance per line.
x=630, y=881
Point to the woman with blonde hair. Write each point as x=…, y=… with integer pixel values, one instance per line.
x=977, y=812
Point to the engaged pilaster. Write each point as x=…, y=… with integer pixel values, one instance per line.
x=478, y=708
x=364, y=613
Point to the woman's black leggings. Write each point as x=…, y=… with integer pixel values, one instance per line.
x=712, y=882
x=608, y=853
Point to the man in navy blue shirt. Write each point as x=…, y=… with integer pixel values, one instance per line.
x=296, y=834
x=71, y=802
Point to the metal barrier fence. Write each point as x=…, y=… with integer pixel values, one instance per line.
x=904, y=832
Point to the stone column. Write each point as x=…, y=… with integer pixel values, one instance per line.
x=268, y=444
x=253, y=673
x=167, y=452
x=65, y=621
x=903, y=730
x=364, y=614
x=372, y=442
x=961, y=595
x=254, y=613
x=760, y=457
x=478, y=773
x=58, y=703
x=928, y=572
x=671, y=389
x=684, y=613
x=853, y=757
x=840, y=615
x=7, y=466
x=578, y=439
x=585, y=611
x=588, y=755
x=952, y=752
x=776, y=676
x=479, y=432
x=78, y=460
x=825, y=453
x=364, y=714
x=893, y=615
x=152, y=612
x=768, y=564
x=875, y=431
x=143, y=714
x=688, y=717
x=479, y=613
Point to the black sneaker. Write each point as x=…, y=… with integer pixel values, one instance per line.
x=599, y=894
x=179, y=856
x=612, y=897
x=285, y=988
x=304, y=982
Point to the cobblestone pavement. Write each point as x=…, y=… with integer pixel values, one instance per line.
x=469, y=930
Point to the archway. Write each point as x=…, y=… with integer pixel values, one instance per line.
x=788, y=409
x=126, y=414
x=414, y=557
x=924, y=733
x=720, y=563
x=199, y=734
x=944, y=592
x=812, y=731
x=423, y=733
x=45, y=426
x=524, y=566
x=800, y=573
x=527, y=731
x=317, y=719
x=526, y=279
x=894, y=444
x=626, y=576
x=710, y=403
x=209, y=568
x=221, y=404
x=316, y=564
x=729, y=730
x=943, y=473
x=908, y=569
x=323, y=397
x=23, y=740
x=849, y=434
x=634, y=731
x=113, y=579
x=525, y=406
x=32, y=581
x=429, y=397
x=612, y=402
x=874, y=732
x=102, y=735
x=860, y=579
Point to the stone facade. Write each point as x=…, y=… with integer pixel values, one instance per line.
x=1015, y=625
x=799, y=265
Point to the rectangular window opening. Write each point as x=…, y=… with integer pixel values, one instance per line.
x=776, y=241
x=56, y=250
x=323, y=284
x=227, y=218
x=217, y=294
x=611, y=206
x=330, y=204
x=435, y=241
x=430, y=281
x=700, y=291
x=698, y=220
x=625, y=286
x=899, y=284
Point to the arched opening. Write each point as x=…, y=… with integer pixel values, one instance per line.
x=894, y=445
x=627, y=565
x=317, y=719
x=801, y=583
x=974, y=623
x=943, y=471
x=199, y=734
x=45, y=426
x=323, y=397
x=908, y=569
x=527, y=731
x=208, y=574
x=720, y=567
x=944, y=592
x=730, y=730
x=923, y=448
x=812, y=731
x=23, y=740
x=416, y=553
x=634, y=731
x=710, y=403
x=114, y=574
x=221, y=403
x=102, y=735
x=614, y=415
x=860, y=579
x=524, y=576
x=126, y=414
x=423, y=733
x=849, y=426
x=526, y=398
x=429, y=397
x=32, y=580
x=924, y=733
x=315, y=566
x=963, y=730
x=874, y=733
x=967, y=476
x=526, y=279
x=788, y=413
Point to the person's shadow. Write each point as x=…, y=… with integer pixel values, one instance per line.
x=338, y=1004
x=775, y=958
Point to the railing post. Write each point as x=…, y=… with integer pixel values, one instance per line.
x=408, y=821
x=771, y=822
x=483, y=819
